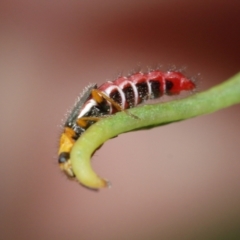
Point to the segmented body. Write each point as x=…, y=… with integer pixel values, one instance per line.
x=114, y=96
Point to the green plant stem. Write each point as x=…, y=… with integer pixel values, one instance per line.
x=218, y=97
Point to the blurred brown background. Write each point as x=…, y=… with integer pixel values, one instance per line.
x=180, y=181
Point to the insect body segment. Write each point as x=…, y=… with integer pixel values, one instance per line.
x=114, y=96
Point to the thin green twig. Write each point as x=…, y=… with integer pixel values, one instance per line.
x=218, y=97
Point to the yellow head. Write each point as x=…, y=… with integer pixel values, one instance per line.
x=65, y=147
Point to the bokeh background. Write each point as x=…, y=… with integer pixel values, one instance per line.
x=180, y=181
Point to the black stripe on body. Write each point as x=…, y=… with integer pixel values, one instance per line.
x=169, y=85
x=129, y=95
x=116, y=97
x=142, y=89
x=155, y=87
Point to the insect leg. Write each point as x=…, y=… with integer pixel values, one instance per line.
x=83, y=121
x=99, y=96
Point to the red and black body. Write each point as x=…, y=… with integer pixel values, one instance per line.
x=113, y=96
